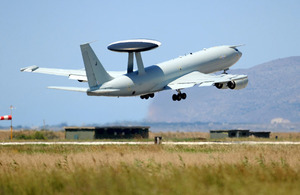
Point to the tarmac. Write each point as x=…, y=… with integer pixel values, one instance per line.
x=152, y=143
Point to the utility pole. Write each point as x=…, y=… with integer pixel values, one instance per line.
x=44, y=125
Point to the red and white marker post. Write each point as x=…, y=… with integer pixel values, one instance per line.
x=6, y=117
x=9, y=117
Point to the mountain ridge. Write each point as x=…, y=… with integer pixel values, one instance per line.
x=272, y=92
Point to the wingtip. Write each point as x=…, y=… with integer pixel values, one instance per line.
x=29, y=69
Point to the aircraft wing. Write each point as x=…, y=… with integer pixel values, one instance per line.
x=72, y=74
x=79, y=75
x=201, y=79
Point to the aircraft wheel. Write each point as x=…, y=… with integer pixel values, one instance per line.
x=151, y=95
x=178, y=97
x=183, y=96
x=174, y=97
x=146, y=97
x=142, y=97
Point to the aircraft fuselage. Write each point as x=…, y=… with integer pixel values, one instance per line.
x=156, y=77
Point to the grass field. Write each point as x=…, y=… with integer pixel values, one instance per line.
x=167, y=136
x=150, y=169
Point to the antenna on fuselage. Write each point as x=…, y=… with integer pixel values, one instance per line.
x=135, y=46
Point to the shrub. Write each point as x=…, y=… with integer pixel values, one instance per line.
x=34, y=135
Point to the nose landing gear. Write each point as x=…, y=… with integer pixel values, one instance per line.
x=225, y=71
x=179, y=96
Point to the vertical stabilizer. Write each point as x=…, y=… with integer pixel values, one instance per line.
x=95, y=72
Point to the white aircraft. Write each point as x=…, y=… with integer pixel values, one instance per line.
x=176, y=74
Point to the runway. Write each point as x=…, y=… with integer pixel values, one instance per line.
x=152, y=143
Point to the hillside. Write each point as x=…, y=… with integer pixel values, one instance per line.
x=273, y=91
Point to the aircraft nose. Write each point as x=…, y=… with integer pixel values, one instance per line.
x=236, y=52
x=239, y=54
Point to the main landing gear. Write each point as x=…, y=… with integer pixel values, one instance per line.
x=179, y=96
x=151, y=95
x=225, y=71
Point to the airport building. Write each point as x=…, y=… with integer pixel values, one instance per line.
x=218, y=134
x=261, y=134
x=107, y=132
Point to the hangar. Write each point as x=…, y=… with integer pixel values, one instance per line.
x=107, y=132
x=218, y=134
x=261, y=134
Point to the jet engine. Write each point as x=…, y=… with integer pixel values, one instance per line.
x=238, y=84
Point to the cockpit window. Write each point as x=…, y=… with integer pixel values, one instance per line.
x=235, y=49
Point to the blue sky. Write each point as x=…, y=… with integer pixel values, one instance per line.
x=48, y=34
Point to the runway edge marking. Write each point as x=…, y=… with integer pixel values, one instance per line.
x=151, y=143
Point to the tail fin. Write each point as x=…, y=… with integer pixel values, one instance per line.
x=95, y=72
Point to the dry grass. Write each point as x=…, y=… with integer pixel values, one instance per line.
x=291, y=136
x=4, y=135
x=180, y=135
x=167, y=136
x=37, y=156
x=200, y=136
x=150, y=169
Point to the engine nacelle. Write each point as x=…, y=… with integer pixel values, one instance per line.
x=221, y=85
x=238, y=84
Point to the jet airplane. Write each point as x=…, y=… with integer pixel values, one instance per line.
x=176, y=74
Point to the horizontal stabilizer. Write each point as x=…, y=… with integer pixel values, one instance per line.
x=85, y=90
x=79, y=89
x=102, y=91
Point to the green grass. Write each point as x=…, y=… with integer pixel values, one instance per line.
x=34, y=135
